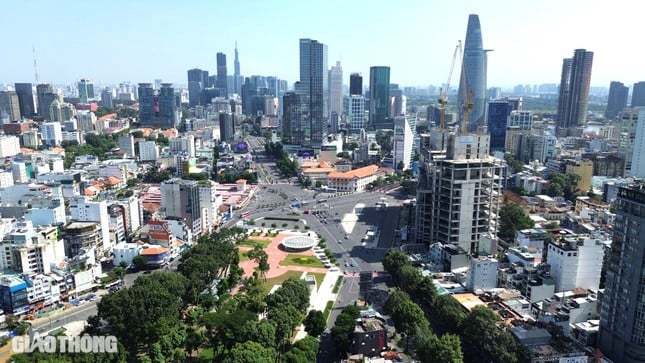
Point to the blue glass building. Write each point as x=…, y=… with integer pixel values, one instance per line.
x=498, y=112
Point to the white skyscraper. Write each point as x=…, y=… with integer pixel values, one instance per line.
x=148, y=151
x=403, y=139
x=9, y=146
x=336, y=89
x=183, y=143
x=356, y=113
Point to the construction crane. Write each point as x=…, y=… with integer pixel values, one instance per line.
x=442, y=95
x=468, y=100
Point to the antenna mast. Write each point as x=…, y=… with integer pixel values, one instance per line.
x=33, y=51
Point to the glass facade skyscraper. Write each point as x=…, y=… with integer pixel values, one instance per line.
x=498, y=112
x=472, y=85
x=221, y=73
x=313, y=87
x=617, y=99
x=380, y=98
x=622, y=314
x=25, y=99
x=574, y=90
x=355, y=84
x=638, y=94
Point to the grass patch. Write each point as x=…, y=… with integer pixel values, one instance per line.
x=339, y=282
x=278, y=280
x=299, y=260
x=206, y=355
x=243, y=255
x=255, y=242
x=328, y=307
x=319, y=277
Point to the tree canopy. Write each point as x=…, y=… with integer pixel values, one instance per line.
x=512, y=218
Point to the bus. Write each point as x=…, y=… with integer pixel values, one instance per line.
x=322, y=201
x=245, y=214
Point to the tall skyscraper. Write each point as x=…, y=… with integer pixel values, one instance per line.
x=336, y=89
x=44, y=101
x=458, y=192
x=638, y=94
x=617, y=99
x=226, y=126
x=292, y=132
x=356, y=113
x=498, y=112
x=85, y=90
x=402, y=143
x=221, y=73
x=180, y=198
x=10, y=104
x=574, y=90
x=622, y=314
x=237, y=81
x=195, y=86
x=380, y=98
x=25, y=99
x=313, y=88
x=472, y=85
x=106, y=98
x=355, y=84
x=157, y=109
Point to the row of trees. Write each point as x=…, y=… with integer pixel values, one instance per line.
x=288, y=168
x=481, y=339
x=170, y=316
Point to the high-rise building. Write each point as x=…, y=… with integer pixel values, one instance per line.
x=355, y=84
x=617, y=99
x=638, y=94
x=237, y=77
x=398, y=103
x=9, y=103
x=472, y=86
x=25, y=99
x=402, y=143
x=336, y=89
x=380, y=98
x=356, y=113
x=221, y=73
x=574, y=90
x=313, y=88
x=157, y=109
x=52, y=133
x=622, y=314
x=195, y=86
x=183, y=145
x=458, y=193
x=126, y=144
x=106, y=98
x=226, y=126
x=637, y=160
x=85, y=90
x=292, y=119
x=180, y=199
x=148, y=151
x=498, y=112
x=44, y=95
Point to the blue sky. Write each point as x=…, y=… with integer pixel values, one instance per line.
x=113, y=41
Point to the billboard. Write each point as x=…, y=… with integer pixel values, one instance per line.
x=306, y=153
x=328, y=148
x=241, y=147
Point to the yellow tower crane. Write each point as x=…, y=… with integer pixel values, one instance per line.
x=442, y=95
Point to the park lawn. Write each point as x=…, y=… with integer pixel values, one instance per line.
x=278, y=280
x=319, y=277
x=253, y=242
x=243, y=255
x=300, y=260
x=206, y=355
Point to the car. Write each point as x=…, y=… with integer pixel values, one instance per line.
x=339, y=241
x=353, y=264
x=346, y=264
x=346, y=237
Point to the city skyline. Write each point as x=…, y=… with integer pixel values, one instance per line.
x=417, y=44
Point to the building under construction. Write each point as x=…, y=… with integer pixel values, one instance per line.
x=459, y=189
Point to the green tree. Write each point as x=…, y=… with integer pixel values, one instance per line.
x=294, y=292
x=431, y=348
x=139, y=262
x=515, y=165
x=343, y=154
x=314, y=323
x=447, y=315
x=343, y=327
x=303, y=351
x=250, y=352
x=393, y=261
x=285, y=318
x=512, y=219
x=484, y=341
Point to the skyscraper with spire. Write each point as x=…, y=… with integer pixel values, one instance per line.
x=237, y=80
x=472, y=85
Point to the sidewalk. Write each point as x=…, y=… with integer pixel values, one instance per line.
x=318, y=299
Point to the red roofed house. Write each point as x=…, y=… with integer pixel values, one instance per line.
x=354, y=180
x=160, y=234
